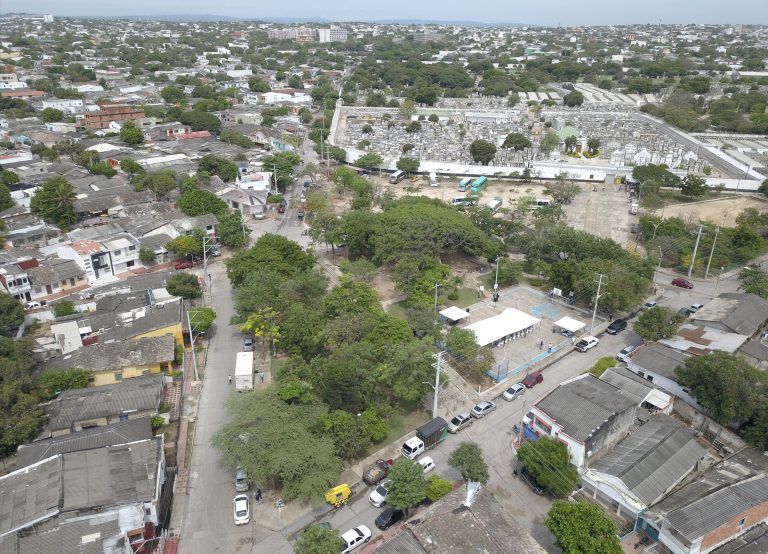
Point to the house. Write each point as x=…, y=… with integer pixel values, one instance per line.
x=457, y=524
x=641, y=390
x=644, y=467
x=586, y=414
x=111, y=113
x=699, y=340
x=112, y=362
x=53, y=278
x=251, y=203
x=78, y=409
x=91, y=256
x=122, y=432
x=734, y=312
x=656, y=363
x=110, y=499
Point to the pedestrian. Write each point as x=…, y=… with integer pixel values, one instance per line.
x=257, y=496
x=549, y=347
x=610, y=316
x=514, y=472
x=541, y=345
x=261, y=376
x=230, y=379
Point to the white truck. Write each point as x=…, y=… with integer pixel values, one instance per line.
x=633, y=208
x=244, y=371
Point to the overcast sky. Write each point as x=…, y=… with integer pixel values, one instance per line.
x=541, y=12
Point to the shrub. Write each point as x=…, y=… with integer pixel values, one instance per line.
x=536, y=282
x=64, y=308
x=437, y=487
x=601, y=365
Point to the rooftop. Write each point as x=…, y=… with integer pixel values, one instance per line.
x=699, y=339
x=742, y=313
x=583, y=404
x=629, y=382
x=117, y=355
x=30, y=494
x=658, y=358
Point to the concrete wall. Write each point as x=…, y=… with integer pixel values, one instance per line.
x=611, y=432
x=753, y=516
x=707, y=425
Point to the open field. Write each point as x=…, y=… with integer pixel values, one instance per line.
x=722, y=212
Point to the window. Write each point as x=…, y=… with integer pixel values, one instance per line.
x=742, y=521
x=145, y=372
x=118, y=252
x=130, y=263
x=118, y=376
x=543, y=426
x=649, y=377
x=131, y=248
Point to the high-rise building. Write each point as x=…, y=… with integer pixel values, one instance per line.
x=333, y=34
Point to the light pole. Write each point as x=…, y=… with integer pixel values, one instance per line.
x=436, y=386
x=717, y=283
x=437, y=286
x=496, y=281
x=658, y=269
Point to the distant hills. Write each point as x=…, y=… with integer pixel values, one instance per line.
x=203, y=18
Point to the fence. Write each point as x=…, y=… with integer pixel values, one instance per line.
x=501, y=372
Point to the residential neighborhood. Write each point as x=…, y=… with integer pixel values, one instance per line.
x=289, y=284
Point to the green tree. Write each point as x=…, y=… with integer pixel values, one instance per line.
x=510, y=273
x=693, y=185
x=482, y=151
x=407, y=108
x=51, y=115
x=764, y=187
x=593, y=144
x=657, y=323
x=516, y=141
x=11, y=313
x=234, y=137
x=8, y=177
x=185, y=246
x=408, y=486
x=147, y=256
x=231, y=231
x=437, y=487
x=173, y=95
x=257, y=84
x=369, y=160
x=468, y=460
x=582, y=528
x=274, y=251
x=561, y=190
x=159, y=182
x=284, y=164
x=185, y=285
x=201, y=319
x=195, y=201
x=573, y=99
x=64, y=308
x=348, y=433
x=130, y=134
x=547, y=460
x=53, y=381
x=549, y=142
x=131, y=166
x=409, y=165
x=200, y=121
x=725, y=385
x=342, y=177
x=275, y=441
x=20, y=416
x=216, y=165
x=5, y=195
x=754, y=280
x=55, y=202
x=318, y=540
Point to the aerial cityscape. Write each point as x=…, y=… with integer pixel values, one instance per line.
x=394, y=279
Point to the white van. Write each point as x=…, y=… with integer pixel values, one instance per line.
x=540, y=203
x=433, y=180
x=494, y=204
x=397, y=176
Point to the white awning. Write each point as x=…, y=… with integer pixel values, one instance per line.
x=570, y=324
x=454, y=313
x=507, y=323
x=659, y=399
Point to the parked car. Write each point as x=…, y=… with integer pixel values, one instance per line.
x=533, y=379
x=623, y=355
x=483, y=408
x=355, y=537
x=241, y=480
x=650, y=304
x=528, y=418
x=616, y=326
x=388, y=518
x=532, y=482
x=459, y=421
x=518, y=389
x=376, y=472
x=281, y=208
x=684, y=312
x=183, y=265
x=695, y=308
x=215, y=252
x=378, y=496
x=682, y=283
x=587, y=343
x=427, y=463
x=242, y=509
x=247, y=344
x=32, y=305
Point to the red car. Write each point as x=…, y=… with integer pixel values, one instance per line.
x=281, y=208
x=183, y=265
x=682, y=283
x=532, y=379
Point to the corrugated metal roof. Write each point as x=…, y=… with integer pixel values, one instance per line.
x=30, y=494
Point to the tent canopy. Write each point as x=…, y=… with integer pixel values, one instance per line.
x=570, y=324
x=454, y=314
x=500, y=326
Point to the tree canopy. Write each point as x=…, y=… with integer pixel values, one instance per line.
x=482, y=151
x=408, y=486
x=185, y=285
x=582, y=528
x=468, y=460
x=11, y=313
x=657, y=323
x=318, y=540
x=55, y=202
x=548, y=461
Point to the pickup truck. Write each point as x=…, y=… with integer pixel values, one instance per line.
x=376, y=472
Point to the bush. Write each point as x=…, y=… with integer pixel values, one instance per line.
x=437, y=487
x=64, y=308
x=157, y=422
x=601, y=365
x=178, y=357
x=536, y=282
x=453, y=295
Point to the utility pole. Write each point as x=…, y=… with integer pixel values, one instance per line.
x=437, y=285
x=597, y=298
x=206, y=240
x=695, y=248
x=436, y=386
x=711, y=253
x=717, y=283
x=661, y=255
x=192, y=344
x=496, y=282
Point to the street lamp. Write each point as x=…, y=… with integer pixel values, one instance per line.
x=496, y=282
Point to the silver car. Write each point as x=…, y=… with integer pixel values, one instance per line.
x=518, y=389
x=483, y=408
x=459, y=421
x=241, y=480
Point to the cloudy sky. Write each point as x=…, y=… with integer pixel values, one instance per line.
x=549, y=12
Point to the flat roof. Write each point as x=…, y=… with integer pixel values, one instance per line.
x=454, y=313
x=499, y=326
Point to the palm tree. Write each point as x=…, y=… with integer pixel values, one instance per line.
x=55, y=201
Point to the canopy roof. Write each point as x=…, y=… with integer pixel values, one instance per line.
x=499, y=326
x=454, y=314
x=570, y=324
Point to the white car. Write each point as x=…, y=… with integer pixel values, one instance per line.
x=624, y=353
x=586, y=343
x=427, y=463
x=518, y=389
x=242, y=510
x=355, y=537
x=378, y=496
x=650, y=304
x=695, y=308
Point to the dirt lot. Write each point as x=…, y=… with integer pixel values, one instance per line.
x=722, y=212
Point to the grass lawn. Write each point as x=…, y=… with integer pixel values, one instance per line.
x=402, y=423
x=467, y=297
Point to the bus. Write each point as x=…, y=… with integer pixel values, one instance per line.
x=464, y=184
x=479, y=183
x=397, y=176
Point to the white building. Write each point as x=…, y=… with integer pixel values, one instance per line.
x=333, y=34
x=67, y=106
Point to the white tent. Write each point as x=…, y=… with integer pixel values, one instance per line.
x=570, y=324
x=511, y=323
x=454, y=314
